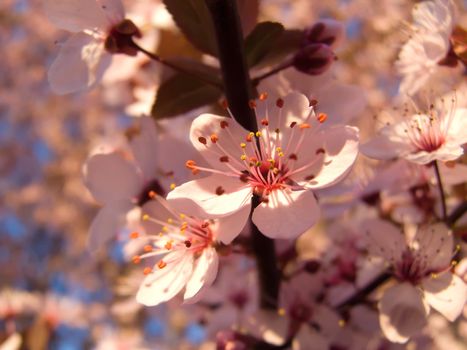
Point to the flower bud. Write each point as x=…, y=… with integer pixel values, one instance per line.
x=120, y=38
x=325, y=31
x=229, y=340
x=314, y=59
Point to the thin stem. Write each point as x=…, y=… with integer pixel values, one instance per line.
x=273, y=71
x=175, y=67
x=238, y=91
x=457, y=214
x=441, y=190
x=362, y=294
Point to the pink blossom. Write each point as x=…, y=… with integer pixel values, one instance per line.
x=422, y=266
x=291, y=154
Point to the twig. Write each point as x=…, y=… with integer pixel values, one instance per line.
x=441, y=190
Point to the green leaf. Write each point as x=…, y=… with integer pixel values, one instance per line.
x=261, y=40
x=196, y=68
x=194, y=20
x=287, y=43
x=181, y=94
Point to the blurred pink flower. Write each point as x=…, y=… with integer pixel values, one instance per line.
x=422, y=265
x=291, y=154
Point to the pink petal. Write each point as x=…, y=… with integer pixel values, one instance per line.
x=144, y=148
x=384, y=239
x=108, y=222
x=163, y=284
x=403, y=312
x=287, y=214
x=435, y=243
x=446, y=293
x=457, y=133
x=204, y=191
x=80, y=63
x=75, y=15
x=204, y=273
x=110, y=178
x=113, y=10
x=229, y=227
x=340, y=147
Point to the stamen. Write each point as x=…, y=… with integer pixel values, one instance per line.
x=147, y=270
x=322, y=117
x=202, y=140
x=220, y=191
x=134, y=235
x=161, y=264
x=214, y=138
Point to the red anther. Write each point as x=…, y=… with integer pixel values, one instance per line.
x=313, y=103
x=202, y=140
x=292, y=124
x=161, y=264
x=263, y=96
x=205, y=224
x=322, y=117
x=310, y=177
x=224, y=159
x=249, y=137
x=244, y=177
x=134, y=235
x=214, y=138
x=147, y=270
x=136, y=259
x=224, y=104
x=187, y=243
x=264, y=122
x=147, y=248
x=304, y=126
x=252, y=104
x=224, y=124
x=320, y=150
x=293, y=156
x=280, y=103
x=220, y=191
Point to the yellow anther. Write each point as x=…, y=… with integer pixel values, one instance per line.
x=172, y=186
x=182, y=216
x=145, y=217
x=170, y=220
x=165, y=228
x=434, y=275
x=341, y=323
x=281, y=154
x=272, y=161
x=243, y=145
x=281, y=311
x=278, y=149
x=454, y=263
x=243, y=157
x=258, y=134
x=258, y=163
x=275, y=171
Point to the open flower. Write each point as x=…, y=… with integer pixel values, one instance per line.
x=291, y=154
x=436, y=134
x=428, y=45
x=99, y=29
x=177, y=231
x=422, y=265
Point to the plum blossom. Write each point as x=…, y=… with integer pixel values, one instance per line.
x=99, y=29
x=428, y=45
x=186, y=240
x=291, y=154
x=422, y=266
x=122, y=180
x=435, y=134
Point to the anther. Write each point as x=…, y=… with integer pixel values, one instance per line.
x=292, y=124
x=320, y=150
x=147, y=270
x=134, y=235
x=202, y=140
x=168, y=245
x=304, y=126
x=224, y=159
x=136, y=259
x=190, y=164
x=152, y=194
x=243, y=145
x=145, y=217
x=187, y=243
x=172, y=186
x=264, y=122
x=147, y=248
x=322, y=117
x=249, y=137
x=243, y=157
x=224, y=124
x=313, y=103
x=280, y=103
x=293, y=156
x=214, y=138
x=224, y=104
x=263, y=96
x=252, y=104
x=220, y=191
x=161, y=264
x=258, y=134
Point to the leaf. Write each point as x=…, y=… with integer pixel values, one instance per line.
x=194, y=20
x=181, y=94
x=287, y=43
x=205, y=72
x=173, y=43
x=261, y=40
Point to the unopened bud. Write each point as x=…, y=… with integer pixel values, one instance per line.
x=325, y=31
x=314, y=59
x=120, y=38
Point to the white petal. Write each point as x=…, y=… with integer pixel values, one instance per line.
x=384, y=239
x=113, y=10
x=340, y=144
x=435, y=244
x=204, y=273
x=75, y=15
x=144, y=146
x=447, y=293
x=236, y=194
x=307, y=336
x=110, y=178
x=287, y=214
x=402, y=312
x=227, y=228
x=457, y=133
x=108, y=222
x=13, y=342
x=163, y=284
x=81, y=63
x=387, y=145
